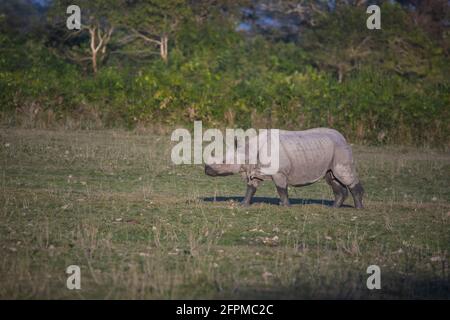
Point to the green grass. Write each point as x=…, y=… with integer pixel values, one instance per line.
x=140, y=227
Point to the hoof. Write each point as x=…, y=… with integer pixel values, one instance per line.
x=337, y=204
x=244, y=204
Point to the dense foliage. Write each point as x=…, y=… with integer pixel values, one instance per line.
x=376, y=86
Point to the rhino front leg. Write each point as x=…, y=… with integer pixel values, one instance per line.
x=357, y=192
x=248, y=195
x=340, y=191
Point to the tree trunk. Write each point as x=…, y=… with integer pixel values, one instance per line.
x=94, y=49
x=164, y=52
x=341, y=71
x=99, y=42
x=94, y=62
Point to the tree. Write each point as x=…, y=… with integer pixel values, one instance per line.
x=21, y=18
x=90, y=43
x=149, y=24
x=433, y=16
x=339, y=40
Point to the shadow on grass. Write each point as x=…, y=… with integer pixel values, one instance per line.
x=274, y=201
x=395, y=288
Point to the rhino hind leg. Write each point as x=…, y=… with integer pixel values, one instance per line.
x=339, y=190
x=357, y=192
x=281, y=183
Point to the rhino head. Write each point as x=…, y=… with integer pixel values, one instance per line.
x=215, y=170
x=217, y=167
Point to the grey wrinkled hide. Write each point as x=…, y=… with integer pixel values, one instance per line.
x=304, y=158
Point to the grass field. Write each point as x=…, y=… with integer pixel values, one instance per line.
x=140, y=227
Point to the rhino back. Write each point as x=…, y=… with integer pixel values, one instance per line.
x=305, y=156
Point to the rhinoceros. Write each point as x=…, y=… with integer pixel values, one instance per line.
x=304, y=158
